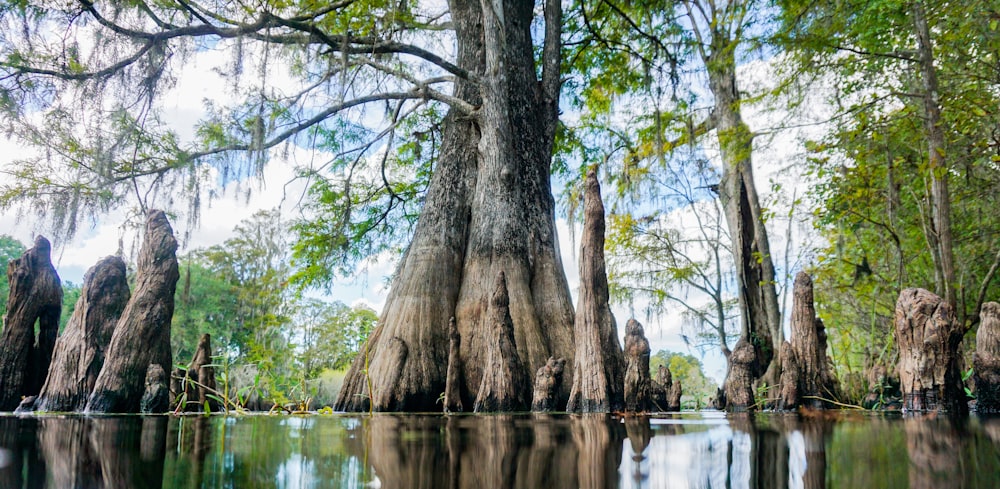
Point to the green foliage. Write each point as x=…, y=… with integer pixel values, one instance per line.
x=71, y=294
x=697, y=389
x=10, y=249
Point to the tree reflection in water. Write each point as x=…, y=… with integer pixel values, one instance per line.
x=708, y=450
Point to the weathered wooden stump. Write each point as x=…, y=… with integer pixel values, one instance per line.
x=674, y=397
x=986, y=360
x=79, y=352
x=156, y=395
x=789, y=398
x=814, y=375
x=738, y=388
x=199, y=381
x=453, y=381
x=35, y=296
x=598, y=364
x=505, y=381
x=638, y=388
x=142, y=335
x=547, y=381
x=928, y=337
x=660, y=389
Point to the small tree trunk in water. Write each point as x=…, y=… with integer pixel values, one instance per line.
x=505, y=381
x=791, y=376
x=35, y=295
x=738, y=388
x=142, y=335
x=928, y=337
x=202, y=378
x=79, y=352
x=638, y=396
x=156, y=395
x=598, y=375
x=548, y=380
x=815, y=377
x=674, y=397
x=661, y=388
x=452, y=392
x=986, y=360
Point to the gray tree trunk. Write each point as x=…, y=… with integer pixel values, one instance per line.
x=928, y=336
x=79, y=352
x=142, y=335
x=489, y=208
x=35, y=297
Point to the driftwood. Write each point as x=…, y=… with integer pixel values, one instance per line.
x=79, y=352
x=156, y=396
x=638, y=395
x=598, y=364
x=986, y=360
x=505, y=381
x=453, y=382
x=199, y=379
x=35, y=296
x=142, y=335
x=548, y=379
x=812, y=372
x=660, y=388
x=928, y=337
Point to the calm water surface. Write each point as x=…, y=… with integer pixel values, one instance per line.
x=698, y=450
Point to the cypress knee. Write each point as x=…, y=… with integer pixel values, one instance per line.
x=986, y=360
x=789, y=398
x=142, y=335
x=79, y=352
x=598, y=365
x=638, y=395
x=738, y=389
x=35, y=296
x=661, y=388
x=452, y=385
x=674, y=397
x=505, y=381
x=928, y=337
x=201, y=378
x=815, y=375
x=156, y=395
x=547, y=382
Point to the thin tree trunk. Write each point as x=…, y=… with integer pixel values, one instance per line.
x=142, y=335
x=35, y=296
x=598, y=368
x=79, y=352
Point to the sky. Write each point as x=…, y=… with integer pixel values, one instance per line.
x=201, y=78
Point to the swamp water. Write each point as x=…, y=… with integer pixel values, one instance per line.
x=691, y=450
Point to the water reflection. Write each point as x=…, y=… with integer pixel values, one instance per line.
x=706, y=450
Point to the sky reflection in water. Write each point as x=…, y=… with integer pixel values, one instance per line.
x=697, y=450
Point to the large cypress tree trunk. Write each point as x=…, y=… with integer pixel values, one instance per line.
x=79, y=352
x=751, y=250
x=142, y=335
x=489, y=208
x=35, y=296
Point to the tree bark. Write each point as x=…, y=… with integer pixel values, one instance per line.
x=142, y=335
x=598, y=367
x=815, y=375
x=200, y=378
x=761, y=318
x=661, y=388
x=738, y=388
x=986, y=360
x=79, y=352
x=453, y=382
x=489, y=208
x=548, y=380
x=791, y=378
x=638, y=388
x=928, y=336
x=505, y=381
x=674, y=397
x=35, y=296
x=156, y=395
